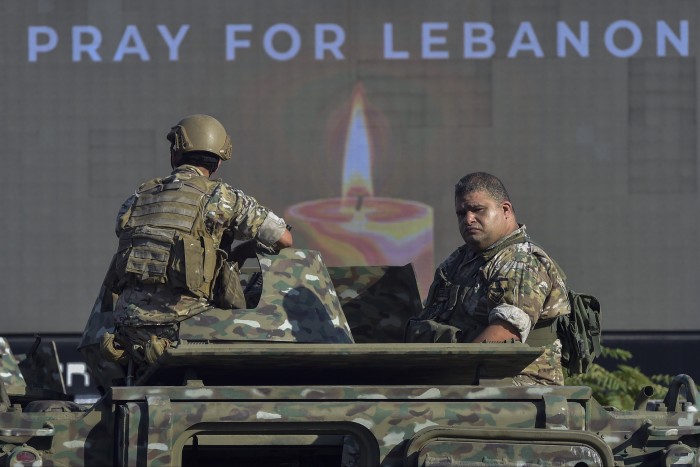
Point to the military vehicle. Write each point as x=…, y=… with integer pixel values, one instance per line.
x=328, y=381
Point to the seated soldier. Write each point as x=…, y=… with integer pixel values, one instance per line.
x=498, y=286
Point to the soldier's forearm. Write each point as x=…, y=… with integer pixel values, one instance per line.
x=498, y=331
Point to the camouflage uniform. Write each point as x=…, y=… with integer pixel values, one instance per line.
x=146, y=307
x=513, y=280
x=225, y=209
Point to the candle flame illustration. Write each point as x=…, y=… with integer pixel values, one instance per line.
x=359, y=152
x=360, y=227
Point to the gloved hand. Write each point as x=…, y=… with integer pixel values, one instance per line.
x=262, y=248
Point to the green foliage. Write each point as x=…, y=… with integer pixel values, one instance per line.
x=619, y=387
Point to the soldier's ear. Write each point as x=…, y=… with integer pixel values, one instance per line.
x=507, y=209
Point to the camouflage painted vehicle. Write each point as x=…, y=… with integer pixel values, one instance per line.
x=267, y=386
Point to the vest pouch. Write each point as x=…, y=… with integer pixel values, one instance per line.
x=193, y=265
x=211, y=261
x=189, y=263
x=429, y=331
x=147, y=258
x=229, y=293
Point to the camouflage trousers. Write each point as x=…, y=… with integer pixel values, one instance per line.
x=138, y=346
x=146, y=321
x=143, y=345
x=547, y=369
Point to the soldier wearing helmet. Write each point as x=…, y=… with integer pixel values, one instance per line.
x=169, y=261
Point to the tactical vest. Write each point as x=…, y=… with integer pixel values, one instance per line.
x=165, y=240
x=445, y=298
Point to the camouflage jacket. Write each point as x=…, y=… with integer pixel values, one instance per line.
x=226, y=212
x=226, y=209
x=517, y=283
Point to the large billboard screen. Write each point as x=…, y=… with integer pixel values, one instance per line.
x=354, y=119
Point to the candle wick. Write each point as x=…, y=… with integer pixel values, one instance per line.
x=358, y=204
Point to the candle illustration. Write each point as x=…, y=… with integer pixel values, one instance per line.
x=360, y=228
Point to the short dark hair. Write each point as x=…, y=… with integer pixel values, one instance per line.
x=482, y=181
x=199, y=159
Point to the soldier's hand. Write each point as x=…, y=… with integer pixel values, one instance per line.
x=265, y=249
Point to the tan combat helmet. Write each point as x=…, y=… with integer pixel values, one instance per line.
x=200, y=133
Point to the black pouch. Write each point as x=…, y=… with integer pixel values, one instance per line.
x=429, y=331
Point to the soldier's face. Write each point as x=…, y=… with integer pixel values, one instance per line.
x=482, y=220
